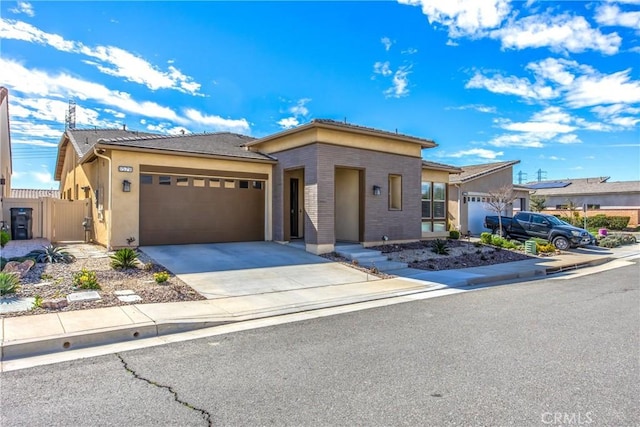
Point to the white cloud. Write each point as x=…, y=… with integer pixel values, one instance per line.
x=560, y=33
x=452, y=43
x=463, y=17
x=410, y=51
x=24, y=7
x=382, y=68
x=511, y=86
x=299, y=111
x=611, y=15
x=399, y=83
x=596, y=89
x=386, y=41
x=569, y=138
x=39, y=83
x=523, y=140
x=111, y=60
x=34, y=142
x=482, y=153
x=477, y=107
x=288, y=122
x=43, y=177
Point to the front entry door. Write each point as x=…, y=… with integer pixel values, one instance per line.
x=293, y=212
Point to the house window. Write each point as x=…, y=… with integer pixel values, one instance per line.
x=395, y=192
x=146, y=179
x=229, y=183
x=198, y=182
x=593, y=207
x=165, y=180
x=243, y=184
x=182, y=181
x=434, y=206
x=214, y=183
x=257, y=185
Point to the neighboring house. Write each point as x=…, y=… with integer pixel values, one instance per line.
x=30, y=193
x=5, y=149
x=321, y=183
x=469, y=192
x=597, y=195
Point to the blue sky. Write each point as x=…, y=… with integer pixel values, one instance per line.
x=555, y=85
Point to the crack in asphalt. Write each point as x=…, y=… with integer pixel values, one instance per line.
x=205, y=414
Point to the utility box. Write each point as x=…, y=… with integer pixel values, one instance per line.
x=530, y=247
x=21, y=223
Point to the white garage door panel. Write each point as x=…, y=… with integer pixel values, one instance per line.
x=477, y=212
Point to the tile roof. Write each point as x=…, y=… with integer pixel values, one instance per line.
x=440, y=166
x=584, y=186
x=83, y=140
x=31, y=193
x=225, y=144
x=328, y=123
x=472, y=172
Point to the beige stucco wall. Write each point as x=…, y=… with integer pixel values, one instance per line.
x=341, y=138
x=126, y=206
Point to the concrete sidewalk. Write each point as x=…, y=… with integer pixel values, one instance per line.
x=26, y=336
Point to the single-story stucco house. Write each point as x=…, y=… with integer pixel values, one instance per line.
x=321, y=183
x=470, y=189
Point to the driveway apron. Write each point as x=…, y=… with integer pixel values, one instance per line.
x=220, y=270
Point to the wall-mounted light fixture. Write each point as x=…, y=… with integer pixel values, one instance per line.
x=376, y=190
x=126, y=186
x=3, y=181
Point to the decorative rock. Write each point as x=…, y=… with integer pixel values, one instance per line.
x=55, y=303
x=124, y=292
x=83, y=296
x=130, y=298
x=20, y=268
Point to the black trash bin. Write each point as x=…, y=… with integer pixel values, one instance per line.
x=21, y=223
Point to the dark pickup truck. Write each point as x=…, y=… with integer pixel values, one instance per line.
x=525, y=225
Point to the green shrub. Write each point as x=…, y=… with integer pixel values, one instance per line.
x=497, y=241
x=161, y=276
x=545, y=248
x=512, y=244
x=9, y=283
x=597, y=221
x=4, y=238
x=610, y=242
x=52, y=254
x=539, y=241
x=124, y=258
x=485, y=238
x=628, y=239
x=440, y=247
x=37, y=301
x=618, y=222
x=85, y=279
x=454, y=234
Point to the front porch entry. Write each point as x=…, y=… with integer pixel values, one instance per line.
x=349, y=205
x=294, y=204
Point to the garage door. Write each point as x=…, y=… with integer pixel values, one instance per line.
x=179, y=209
x=477, y=211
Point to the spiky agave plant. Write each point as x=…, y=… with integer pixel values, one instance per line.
x=51, y=253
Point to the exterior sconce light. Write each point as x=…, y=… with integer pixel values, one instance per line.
x=376, y=190
x=126, y=186
x=3, y=181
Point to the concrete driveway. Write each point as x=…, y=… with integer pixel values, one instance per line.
x=220, y=270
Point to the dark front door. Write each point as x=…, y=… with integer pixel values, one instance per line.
x=293, y=211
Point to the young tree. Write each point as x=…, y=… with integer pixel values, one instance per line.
x=537, y=203
x=499, y=201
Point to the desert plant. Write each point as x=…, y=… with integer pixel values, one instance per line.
x=124, y=258
x=497, y=241
x=37, y=301
x=9, y=283
x=498, y=202
x=537, y=203
x=52, y=254
x=628, y=239
x=454, y=234
x=610, y=242
x=148, y=266
x=485, y=238
x=440, y=247
x=4, y=238
x=86, y=279
x=545, y=248
x=161, y=276
x=618, y=222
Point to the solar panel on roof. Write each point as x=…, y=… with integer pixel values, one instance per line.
x=542, y=185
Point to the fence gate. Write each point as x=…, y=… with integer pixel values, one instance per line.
x=67, y=220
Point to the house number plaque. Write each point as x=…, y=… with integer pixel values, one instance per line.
x=125, y=169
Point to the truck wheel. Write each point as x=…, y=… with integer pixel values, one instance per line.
x=561, y=243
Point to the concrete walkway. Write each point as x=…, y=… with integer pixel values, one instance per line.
x=42, y=334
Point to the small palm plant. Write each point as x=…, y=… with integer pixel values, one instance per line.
x=124, y=258
x=440, y=247
x=52, y=254
x=9, y=283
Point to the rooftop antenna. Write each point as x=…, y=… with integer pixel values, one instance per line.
x=541, y=174
x=522, y=176
x=70, y=117
x=345, y=120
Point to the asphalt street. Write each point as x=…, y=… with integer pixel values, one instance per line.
x=557, y=351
